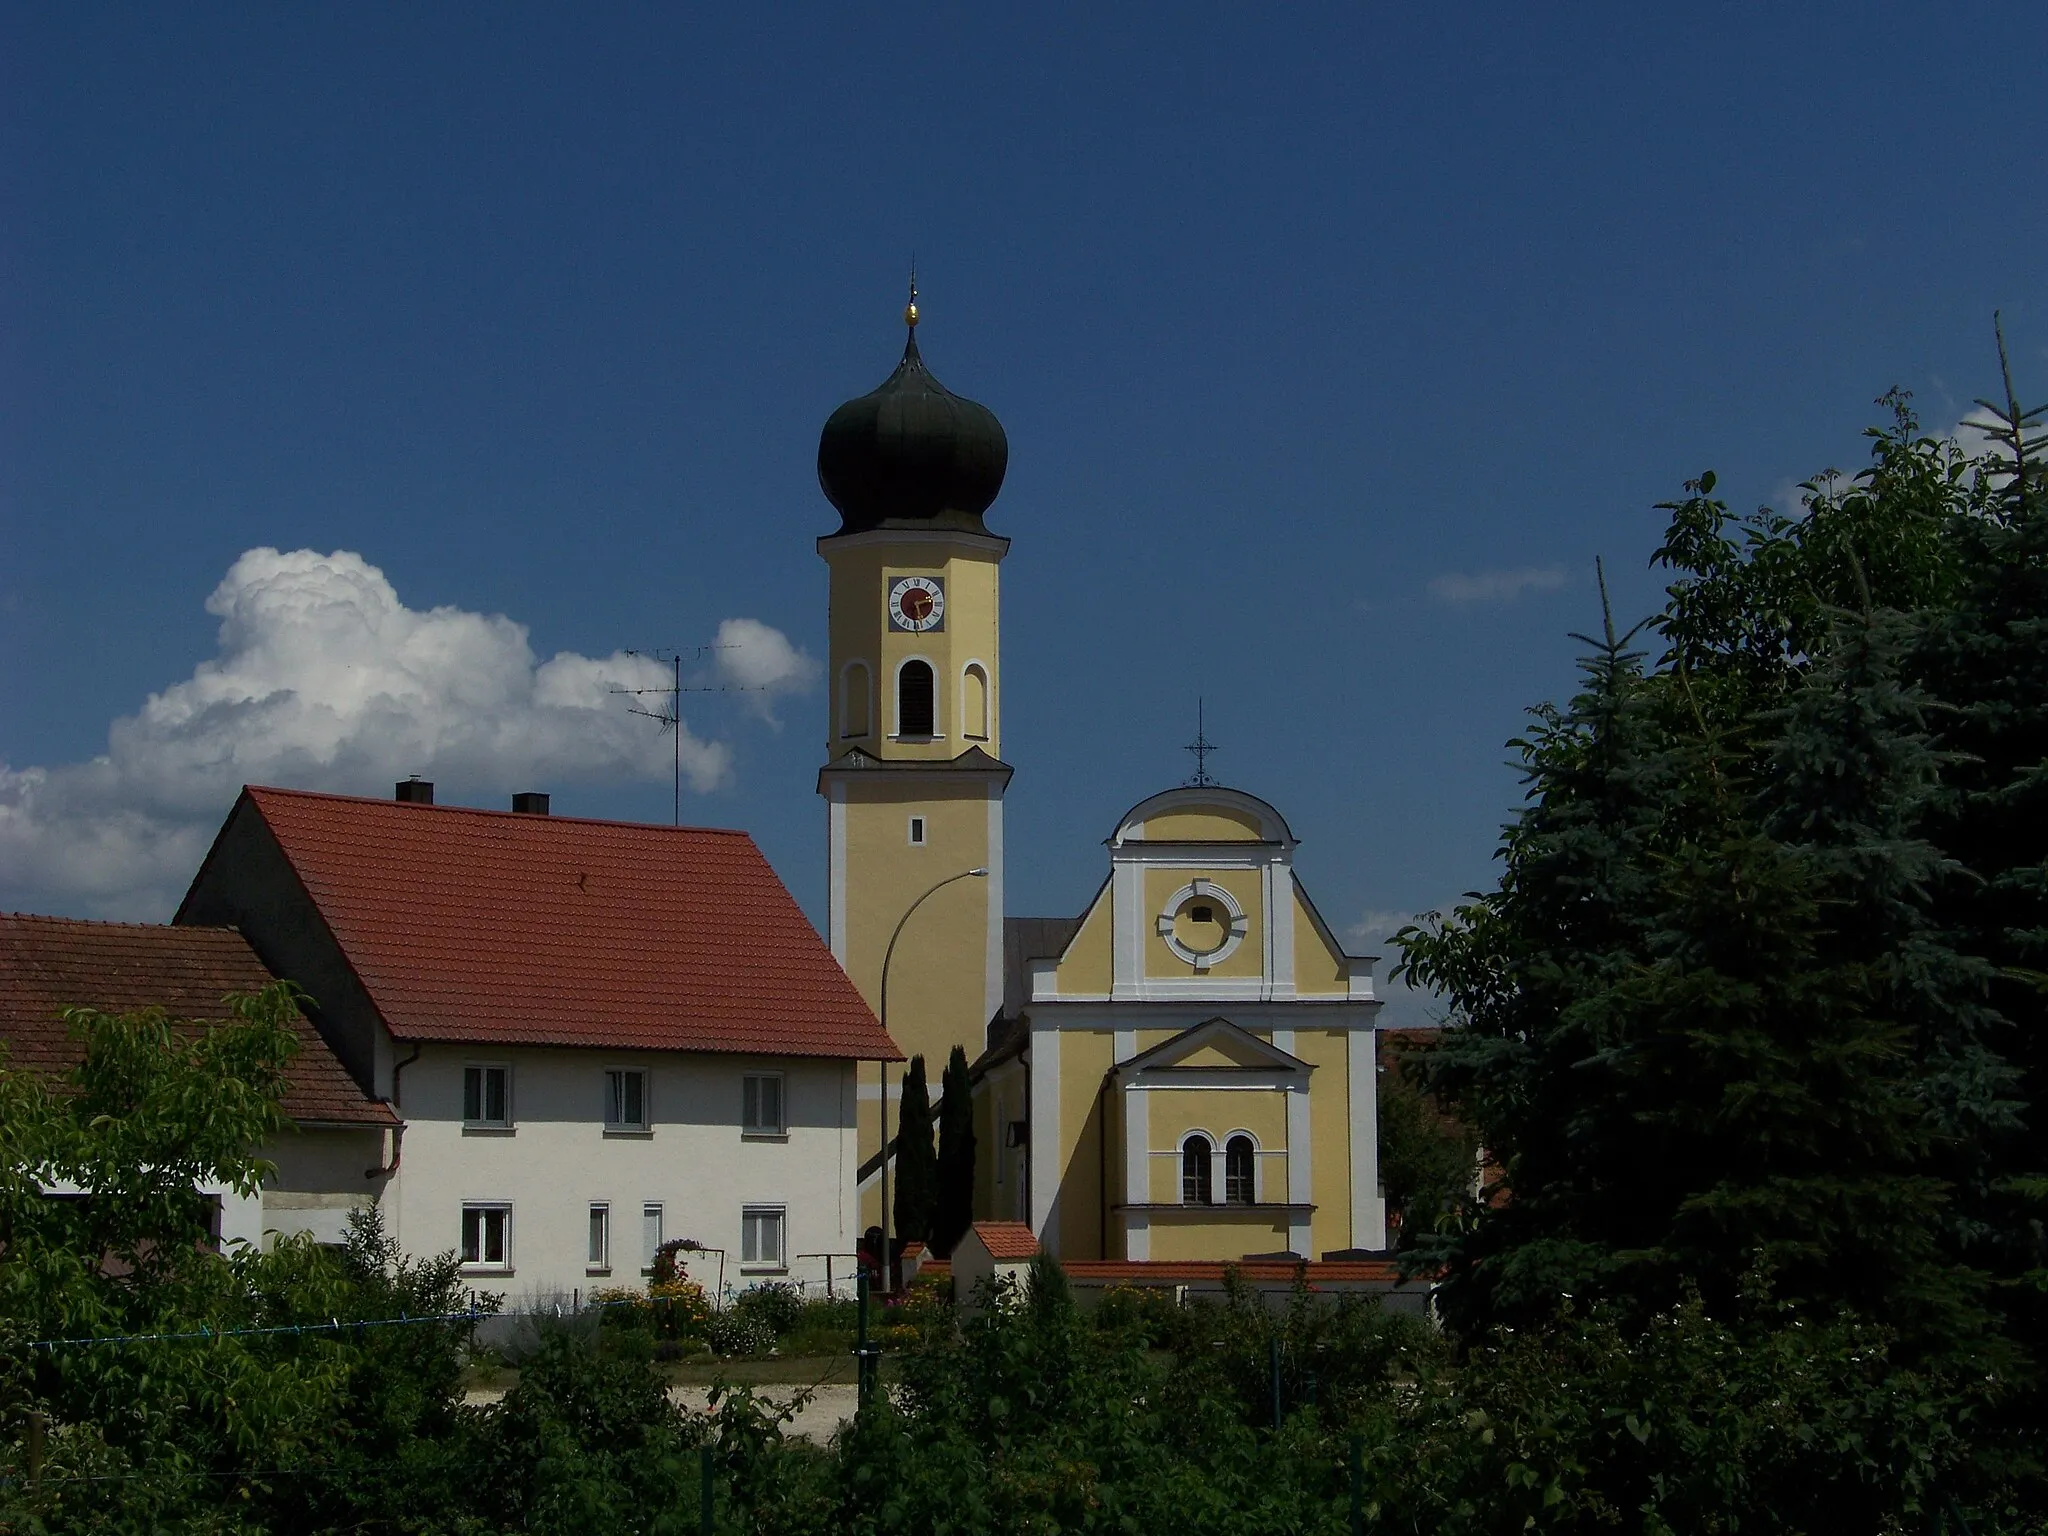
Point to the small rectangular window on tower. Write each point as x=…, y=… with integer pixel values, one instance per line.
x=917, y=831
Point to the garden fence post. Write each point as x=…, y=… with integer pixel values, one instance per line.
x=35, y=1448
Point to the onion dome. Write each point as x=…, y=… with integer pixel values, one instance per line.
x=912, y=453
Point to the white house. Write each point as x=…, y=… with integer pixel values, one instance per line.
x=597, y=1036
x=338, y=1133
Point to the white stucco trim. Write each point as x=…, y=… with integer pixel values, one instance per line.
x=1127, y=929
x=896, y=700
x=1368, y=1206
x=1222, y=1079
x=1208, y=890
x=1068, y=1011
x=988, y=694
x=846, y=696
x=1280, y=890
x=1045, y=1138
x=835, y=835
x=1137, y=1164
x=1300, y=1168
x=981, y=543
x=992, y=985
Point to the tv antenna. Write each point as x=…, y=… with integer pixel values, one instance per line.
x=1201, y=746
x=670, y=715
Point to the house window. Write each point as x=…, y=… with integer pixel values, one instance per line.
x=625, y=1100
x=487, y=1097
x=600, y=1236
x=1239, y=1184
x=487, y=1236
x=1195, y=1185
x=761, y=1236
x=761, y=1104
x=917, y=831
x=650, y=1233
x=914, y=712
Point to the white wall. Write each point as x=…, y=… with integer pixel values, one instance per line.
x=558, y=1158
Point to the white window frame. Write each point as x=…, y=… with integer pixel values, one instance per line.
x=754, y=1213
x=483, y=1122
x=600, y=1236
x=753, y=1131
x=481, y=1265
x=896, y=702
x=849, y=690
x=918, y=831
x=1180, y=1167
x=1258, y=1173
x=975, y=668
x=654, y=1212
x=618, y=1127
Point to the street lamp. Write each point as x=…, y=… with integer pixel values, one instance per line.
x=888, y=1257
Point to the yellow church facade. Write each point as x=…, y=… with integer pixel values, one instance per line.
x=1185, y=1071
x=1191, y=1072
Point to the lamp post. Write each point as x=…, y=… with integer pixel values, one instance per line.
x=889, y=954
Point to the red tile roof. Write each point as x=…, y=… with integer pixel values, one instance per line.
x=48, y=964
x=1007, y=1240
x=1210, y=1271
x=473, y=925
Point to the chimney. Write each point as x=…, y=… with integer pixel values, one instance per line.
x=414, y=791
x=530, y=802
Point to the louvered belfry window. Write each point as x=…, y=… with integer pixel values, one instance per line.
x=914, y=715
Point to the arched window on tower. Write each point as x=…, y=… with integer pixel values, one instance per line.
x=974, y=702
x=1239, y=1185
x=1196, y=1187
x=854, y=700
x=914, y=713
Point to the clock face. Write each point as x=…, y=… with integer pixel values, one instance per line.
x=917, y=604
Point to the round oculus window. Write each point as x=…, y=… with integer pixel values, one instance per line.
x=1201, y=926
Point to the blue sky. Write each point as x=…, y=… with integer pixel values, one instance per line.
x=1333, y=346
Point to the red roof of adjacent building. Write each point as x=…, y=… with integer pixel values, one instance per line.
x=1253, y=1271
x=48, y=964
x=1007, y=1240
x=493, y=926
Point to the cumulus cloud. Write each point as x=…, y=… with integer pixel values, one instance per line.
x=1465, y=588
x=324, y=679
x=759, y=658
x=1374, y=928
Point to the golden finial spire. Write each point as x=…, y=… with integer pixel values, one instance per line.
x=910, y=309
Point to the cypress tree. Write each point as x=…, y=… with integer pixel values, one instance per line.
x=916, y=1171
x=954, y=1209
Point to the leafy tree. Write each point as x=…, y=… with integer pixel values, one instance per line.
x=916, y=1191
x=954, y=1207
x=1427, y=1160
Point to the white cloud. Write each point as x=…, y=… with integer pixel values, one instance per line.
x=759, y=658
x=324, y=679
x=1464, y=588
x=1369, y=935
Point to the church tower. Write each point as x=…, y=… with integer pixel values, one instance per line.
x=913, y=776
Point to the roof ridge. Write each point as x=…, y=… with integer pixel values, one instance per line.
x=485, y=810
x=118, y=922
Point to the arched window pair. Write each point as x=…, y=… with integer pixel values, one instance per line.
x=917, y=711
x=1197, y=1159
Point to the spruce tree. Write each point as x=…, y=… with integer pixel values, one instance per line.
x=954, y=1208
x=916, y=1170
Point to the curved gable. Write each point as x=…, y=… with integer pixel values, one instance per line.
x=1202, y=813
